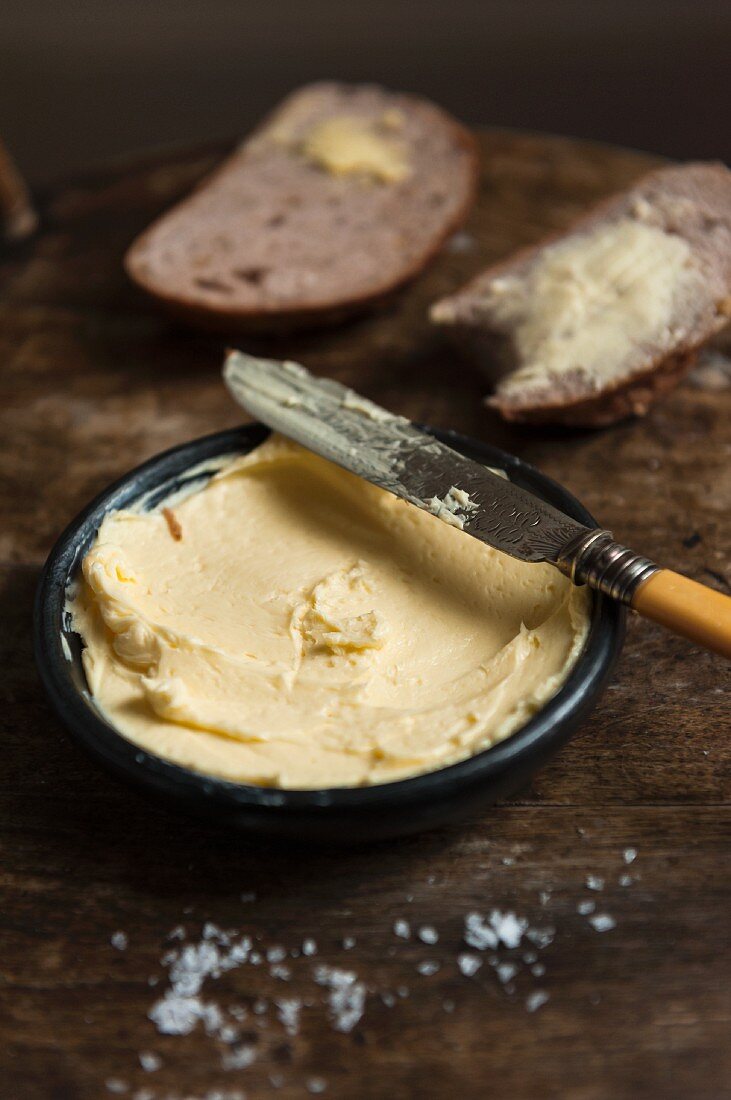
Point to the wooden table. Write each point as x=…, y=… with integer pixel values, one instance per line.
x=94, y=381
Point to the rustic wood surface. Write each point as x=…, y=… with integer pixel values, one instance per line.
x=93, y=381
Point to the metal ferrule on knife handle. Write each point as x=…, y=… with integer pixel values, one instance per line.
x=594, y=558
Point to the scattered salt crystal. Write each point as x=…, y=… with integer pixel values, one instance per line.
x=211, y=931
x=239, y=1058
x=349, y=943
x=402, y=929
x=409, y=898
x=288, y=1014
x=448, y=1006
x=316, y=1085
x=309, y=947
x=630, y=855
x=150, y=1061
x=116, y=1086
x=586, y=907
x=431, y=879
x=276, y=1080
x=276, y=954
x=259, y=1007
x=255, y=958
x=144, y=1094
x=403, y=991
x=538, y=970
x=238, y=1012
x=594, y=882
x=153, y=980
x=625, y=880
x=428, y=967
x=541, y=937
x=283, y=973
x=175, y=1015
x=478, y=933
x=602, y=922
x=506, y=971
x=544, y=897
x=535, y=1000
x=346, y=996
x=427, y=934
x=388, y=999
x=246, y=898
x=177, y=933
x=507, y=861
x=469, y=964
x=228, y=1034
x=508, y=928
x=530, y=957
x=211, y=1018
x=238, y=954
x=120, y=940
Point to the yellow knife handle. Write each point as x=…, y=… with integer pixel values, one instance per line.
x=686, y=607
x=676, y=602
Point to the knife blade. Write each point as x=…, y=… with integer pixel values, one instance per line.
x=391, y=452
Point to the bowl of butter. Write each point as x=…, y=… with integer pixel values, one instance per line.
x=256, y=635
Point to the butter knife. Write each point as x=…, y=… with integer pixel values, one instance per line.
x=391, y=452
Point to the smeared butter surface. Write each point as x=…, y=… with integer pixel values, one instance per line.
x=311, y=630
x=347, y=145
x=592, y=301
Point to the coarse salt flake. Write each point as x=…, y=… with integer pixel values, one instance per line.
x=428, y=967
x=469, y=964
x=536, y=1000
x=602, y=922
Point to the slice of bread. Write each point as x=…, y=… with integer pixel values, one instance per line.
x=337, y=200
x=592, y=325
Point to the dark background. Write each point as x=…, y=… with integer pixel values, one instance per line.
x=82, y=81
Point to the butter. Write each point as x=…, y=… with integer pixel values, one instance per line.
x=308, y=629
x=591, y=302
x=347, y=145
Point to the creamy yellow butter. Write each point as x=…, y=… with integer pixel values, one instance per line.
x=591, y=301
x=297, y=627
x=347, y=145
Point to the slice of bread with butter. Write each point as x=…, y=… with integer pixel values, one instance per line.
x=338, y=199
x=591, y=326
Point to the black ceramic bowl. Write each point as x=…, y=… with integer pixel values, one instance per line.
x=340, y=814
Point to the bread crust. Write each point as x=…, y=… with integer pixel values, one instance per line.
x=631, y=398
x=274, y=319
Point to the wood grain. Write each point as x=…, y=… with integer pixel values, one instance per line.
x=93, y=381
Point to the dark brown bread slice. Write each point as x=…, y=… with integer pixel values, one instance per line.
x=275, y=240
x=684, y=276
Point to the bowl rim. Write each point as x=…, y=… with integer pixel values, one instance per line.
x=88, y=727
